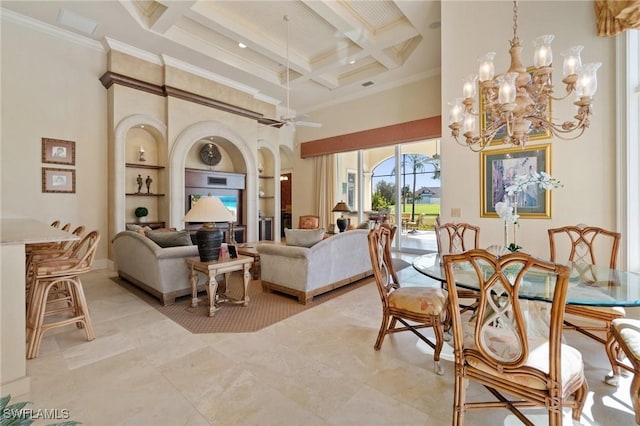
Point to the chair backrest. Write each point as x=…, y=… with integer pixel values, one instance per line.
x=497, y=337
x=380, y=239
x=309, y=222
x=584, y=244
x=78, y=232
x=456, y=237
x=55, y=224
x=85, y=251
x=66, y=227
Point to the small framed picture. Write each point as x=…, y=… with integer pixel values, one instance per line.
x=332, y=228
x=57, y=151
x=58, y=180
x=233, y=253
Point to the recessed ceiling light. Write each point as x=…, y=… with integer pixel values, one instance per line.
x=77, y=22
x=353, y=61
x=242, y=45
x=142, y=126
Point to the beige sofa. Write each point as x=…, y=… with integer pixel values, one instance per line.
x=306, y=272
x=161, y=272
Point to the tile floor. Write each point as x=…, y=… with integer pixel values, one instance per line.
x=316, y=368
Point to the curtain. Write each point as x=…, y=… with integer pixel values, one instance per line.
x=325, y=178
x=616, y=16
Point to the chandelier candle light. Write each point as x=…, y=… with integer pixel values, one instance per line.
x=518, y=102
x=508, y=208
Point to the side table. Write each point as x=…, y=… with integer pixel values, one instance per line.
x=249, y=249
x=211, y=270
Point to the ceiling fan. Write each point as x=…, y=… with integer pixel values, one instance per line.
x=292, y=120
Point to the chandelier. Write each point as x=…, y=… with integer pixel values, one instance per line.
x=517, y=103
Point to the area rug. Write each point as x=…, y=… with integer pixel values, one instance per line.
x=264, y=309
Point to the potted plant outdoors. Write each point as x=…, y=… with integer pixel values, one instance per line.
x=141, y=213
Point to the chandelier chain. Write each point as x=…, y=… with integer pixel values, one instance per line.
x=515, y=20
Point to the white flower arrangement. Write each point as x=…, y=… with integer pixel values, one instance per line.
x=542, y=179
x=509, y=213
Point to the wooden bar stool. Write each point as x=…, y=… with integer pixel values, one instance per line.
x=57, y=292
x=59, y=250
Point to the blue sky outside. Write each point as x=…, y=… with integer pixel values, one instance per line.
x=384, y=169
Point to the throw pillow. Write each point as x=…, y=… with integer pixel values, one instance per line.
x=137, y=228
x=303, y=237
x=170, y=239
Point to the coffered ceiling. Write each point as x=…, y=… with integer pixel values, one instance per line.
x=336, y=49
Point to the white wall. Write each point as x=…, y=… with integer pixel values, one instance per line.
x=50, y=88
x=585, y=165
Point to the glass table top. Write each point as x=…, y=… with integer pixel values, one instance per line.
x=589, y=285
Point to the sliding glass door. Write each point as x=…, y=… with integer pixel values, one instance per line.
x=399, y=184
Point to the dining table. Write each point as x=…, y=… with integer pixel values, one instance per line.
x=589, y=285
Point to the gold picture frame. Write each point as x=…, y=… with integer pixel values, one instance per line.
x=61, y=181
x=499, y=137
x=499, y=166
x=58, y=151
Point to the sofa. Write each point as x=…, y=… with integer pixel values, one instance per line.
x=160, y=271
x=305, y=272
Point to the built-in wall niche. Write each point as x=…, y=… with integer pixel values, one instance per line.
x=229, y=187
x=144, y=175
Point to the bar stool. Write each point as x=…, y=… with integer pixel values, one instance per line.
x=60, y=278
x=52, y=251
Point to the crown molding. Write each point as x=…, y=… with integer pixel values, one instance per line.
x=109, y=78
x=127, y=49
x=51, y=30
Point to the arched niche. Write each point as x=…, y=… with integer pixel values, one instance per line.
x=155, y=132
x=241, y=155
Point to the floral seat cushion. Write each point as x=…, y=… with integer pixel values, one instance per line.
x=424, y=300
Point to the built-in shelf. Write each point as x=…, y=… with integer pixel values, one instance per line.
x=143, y=166
x=142, y=194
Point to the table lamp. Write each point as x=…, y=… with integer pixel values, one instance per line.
x=342, y=221
x=209, y=238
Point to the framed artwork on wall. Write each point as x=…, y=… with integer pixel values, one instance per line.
x=57, y=151
x=58, y=180
x=499, y=167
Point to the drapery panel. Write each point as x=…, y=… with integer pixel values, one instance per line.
x=324, y=188
x=616, y=16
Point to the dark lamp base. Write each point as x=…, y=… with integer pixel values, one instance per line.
x=209, y=240
x=342, y=223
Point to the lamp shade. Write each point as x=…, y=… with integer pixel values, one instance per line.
x=342, y=222
x=209, y=209
x=209, y=238
x=341, y=207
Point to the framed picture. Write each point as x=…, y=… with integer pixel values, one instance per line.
x=233, y=252
x=332, y=228
x=57, y=151
x=497, y=171
x=58, y=180
x=535, y=134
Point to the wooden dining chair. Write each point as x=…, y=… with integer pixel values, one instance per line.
x=309, y=222
x=413, y=307
x=625, y=335
x=494, y=347
x=457, y=238
x=584, y=246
